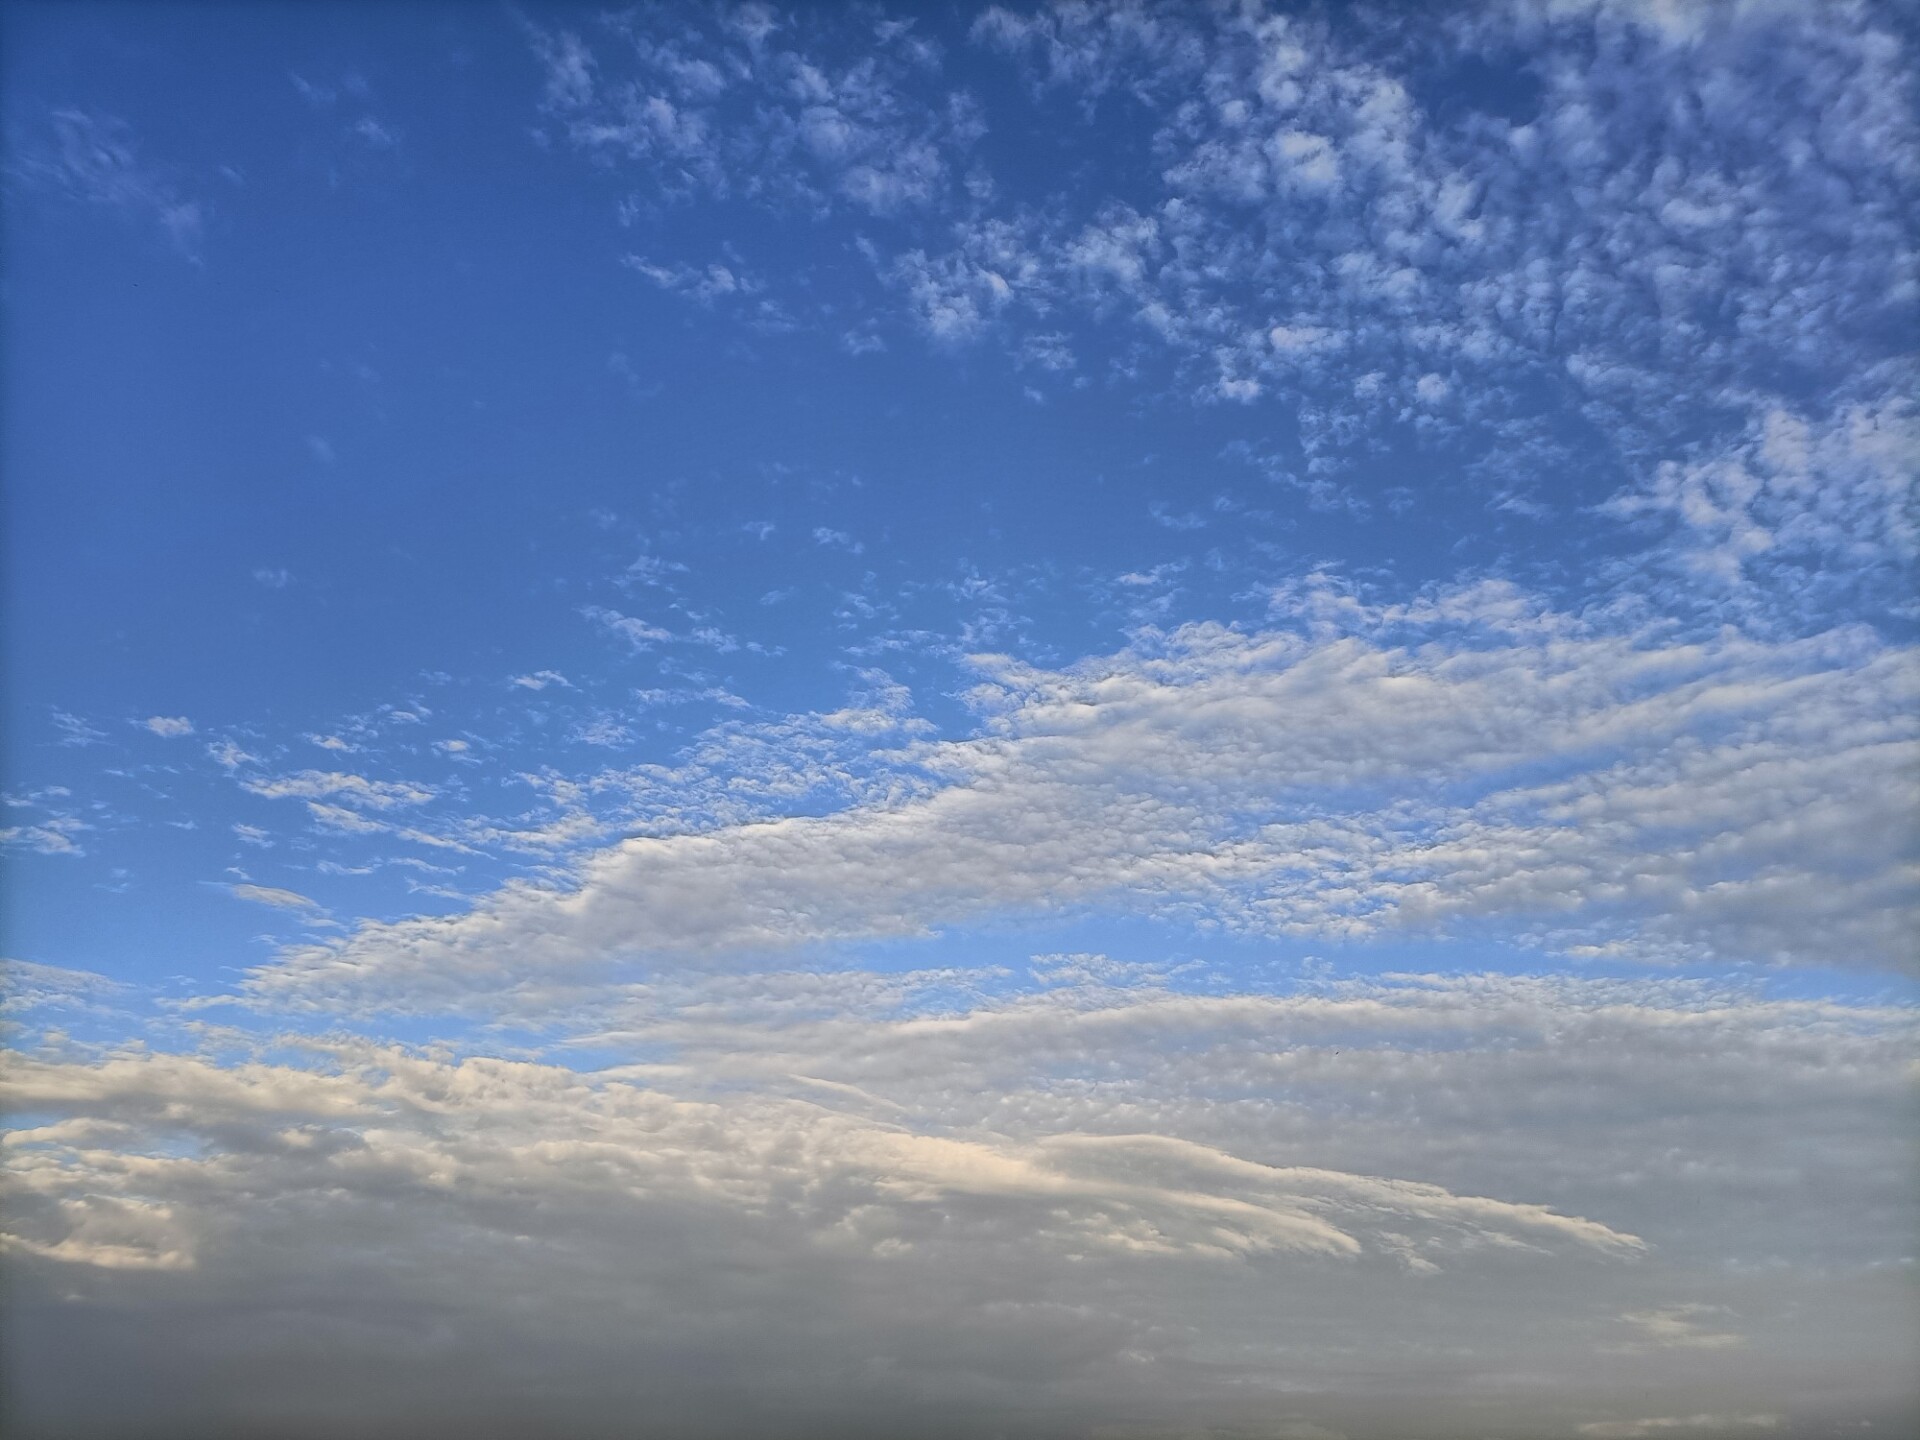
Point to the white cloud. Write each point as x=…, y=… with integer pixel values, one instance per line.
x=31, y=986
x=270, y=895
x=374, y=133
x=953, y=299
x=637, y=633
x=602, y=730
x=229, y=756
x=642, y=635
x=338, y=817
x=51, y=836
x=836, y=539
x=1824, y=499
x=707, y=107
x=169, y=727
x=56, y=829
x=701, y=284
x=1555, y=279
x=76, y=731
x=1469, y=759
x=98, y=159
x=355, y=790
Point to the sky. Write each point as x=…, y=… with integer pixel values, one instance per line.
x=1097, y=719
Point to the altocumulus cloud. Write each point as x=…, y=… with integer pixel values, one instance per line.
x=1403, y=927
x=1376, y=769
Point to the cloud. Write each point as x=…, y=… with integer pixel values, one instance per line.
x=97, y=159
x=1131, y=1194
x=641, y=635
x=952, y=298
x=699, y=1143
x=703, y=285
x=602, y=730
x=31, y=986
x=340, y=802
x=51, y=836
x=1820, y=504
x=268, y=895
x=637, y=633
x=1106, y=1179
x=76, y=731
x=816, y=116
x=1466, y=761
x=168, y=727
x=1664, y=1425
x=836, y=539
x=338, y=817
x=375, y=133
x=544, y=1179
x=56, y=829
x=1683, y=1327
x=1538, y=278
x=229, y=756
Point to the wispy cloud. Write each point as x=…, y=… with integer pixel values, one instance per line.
x=354, y=790
x=270, y=895
x=98, y=159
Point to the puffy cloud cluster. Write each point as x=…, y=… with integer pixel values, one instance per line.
x=1823, y=505
x=1524, y=220
x=748, y=102
x=1577, y=250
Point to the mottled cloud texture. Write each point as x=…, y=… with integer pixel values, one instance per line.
x=1398, y=923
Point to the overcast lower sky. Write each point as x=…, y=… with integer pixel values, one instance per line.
x=1100, y=720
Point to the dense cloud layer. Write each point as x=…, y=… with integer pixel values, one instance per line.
x=1103, y=1197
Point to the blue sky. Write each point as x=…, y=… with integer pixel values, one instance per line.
x=996, y=590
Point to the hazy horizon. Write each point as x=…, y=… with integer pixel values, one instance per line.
x=1104, y=719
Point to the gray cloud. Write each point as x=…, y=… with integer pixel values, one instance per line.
x=793, y=1220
